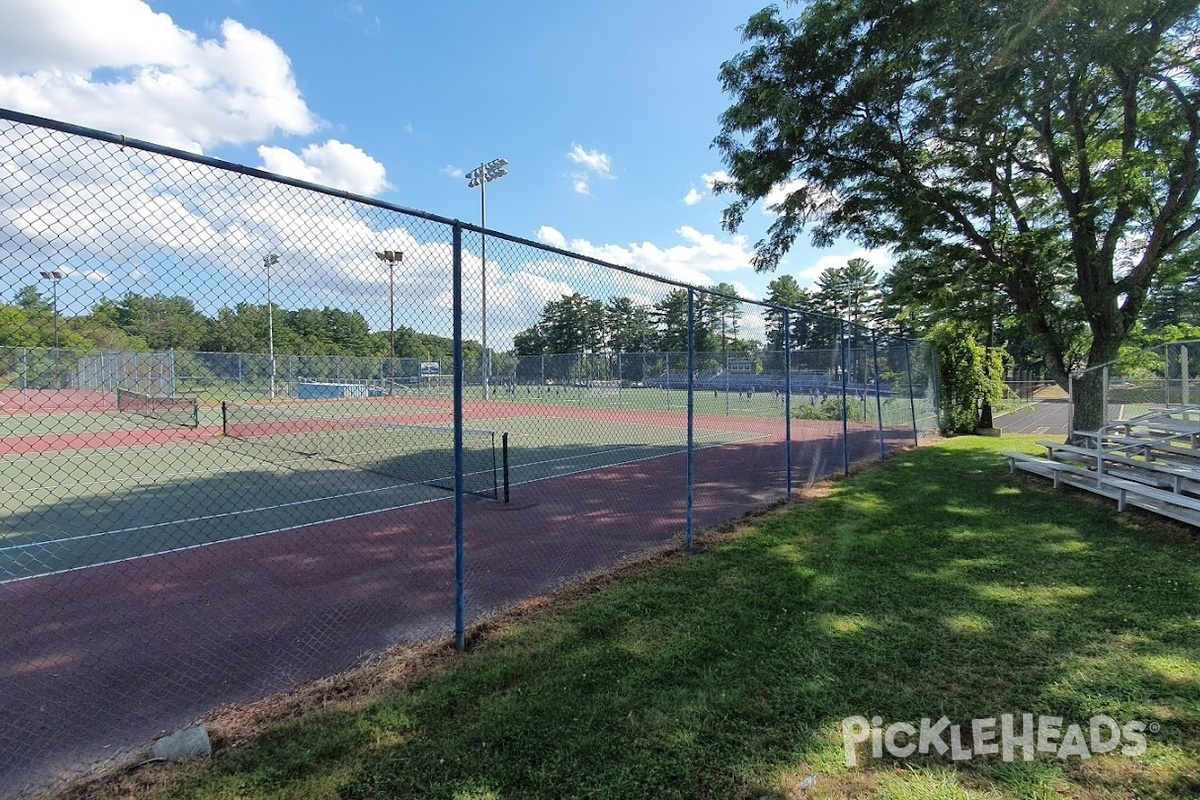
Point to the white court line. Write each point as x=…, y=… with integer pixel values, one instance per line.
x=222, y=541
x=619, y=463
x=323, y=521
x=204, y=518
x=682, y=445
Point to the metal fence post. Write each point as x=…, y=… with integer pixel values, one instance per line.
x=787, y=403
x=912, y=400
x=460, y=564
x=691, y=417
x=1104, y=395
x=935, y=387
x=667, y=385
x=1070, y=406
x=845, y=401
x=878, y=399
x=1183, y=375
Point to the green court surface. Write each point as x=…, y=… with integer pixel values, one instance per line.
x=70, y=509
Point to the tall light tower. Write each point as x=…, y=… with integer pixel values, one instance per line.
x=268, y=262
x=54, y=276
x=480, y=176
x=392, y=257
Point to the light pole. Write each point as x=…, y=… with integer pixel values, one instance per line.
x=480, y=176
x=268, y=261
x=54, y=276
x=392, y=257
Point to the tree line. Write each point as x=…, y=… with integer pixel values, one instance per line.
x=156, y=323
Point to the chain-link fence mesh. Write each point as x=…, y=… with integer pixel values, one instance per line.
x=1143, y=380
x=242, y=446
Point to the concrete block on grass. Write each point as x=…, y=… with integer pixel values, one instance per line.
x=188, y=743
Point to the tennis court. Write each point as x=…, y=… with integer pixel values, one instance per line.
x=272, y=468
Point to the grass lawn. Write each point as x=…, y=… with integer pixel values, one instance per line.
x=937, y=585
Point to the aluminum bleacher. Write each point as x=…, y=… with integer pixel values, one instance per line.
x=1151, y=462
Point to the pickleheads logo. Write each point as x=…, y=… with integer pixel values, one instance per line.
x=989, y=737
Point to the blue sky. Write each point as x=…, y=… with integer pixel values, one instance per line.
x=605, y=111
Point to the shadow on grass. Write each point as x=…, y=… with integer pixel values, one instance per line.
x=936, y=586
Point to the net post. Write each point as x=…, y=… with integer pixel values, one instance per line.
x=460, y=565
x=504, y=462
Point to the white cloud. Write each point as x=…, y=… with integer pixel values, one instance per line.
x=551, y=236
x=592, y=160
x=695, y=261
x=595, y=165
x=333, y=163
x=119, y=66
x=780, y=192
x=711, y=178
x=453, y=171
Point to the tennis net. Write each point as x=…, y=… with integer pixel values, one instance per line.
x=418, y=454
x=183, y=412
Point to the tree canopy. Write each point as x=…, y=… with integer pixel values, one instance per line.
x=1046, y=152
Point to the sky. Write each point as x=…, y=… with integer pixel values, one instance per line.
x=606, y=112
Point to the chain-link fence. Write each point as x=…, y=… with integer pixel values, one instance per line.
x=253, y=432
x=1141, y=381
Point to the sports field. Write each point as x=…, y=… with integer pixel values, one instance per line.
x=204, y=568
x=82, y=490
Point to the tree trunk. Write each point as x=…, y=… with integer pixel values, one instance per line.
x=1089, y=412
x=1088, y=402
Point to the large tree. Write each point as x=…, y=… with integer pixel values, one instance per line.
x=724, y=313
x=850, y=292
x=1048, y=148
x=630, y=328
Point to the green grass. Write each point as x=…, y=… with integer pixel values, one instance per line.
x=935, y=585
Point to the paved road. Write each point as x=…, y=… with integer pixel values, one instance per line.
x=1045, y=416
x=1048, y=416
